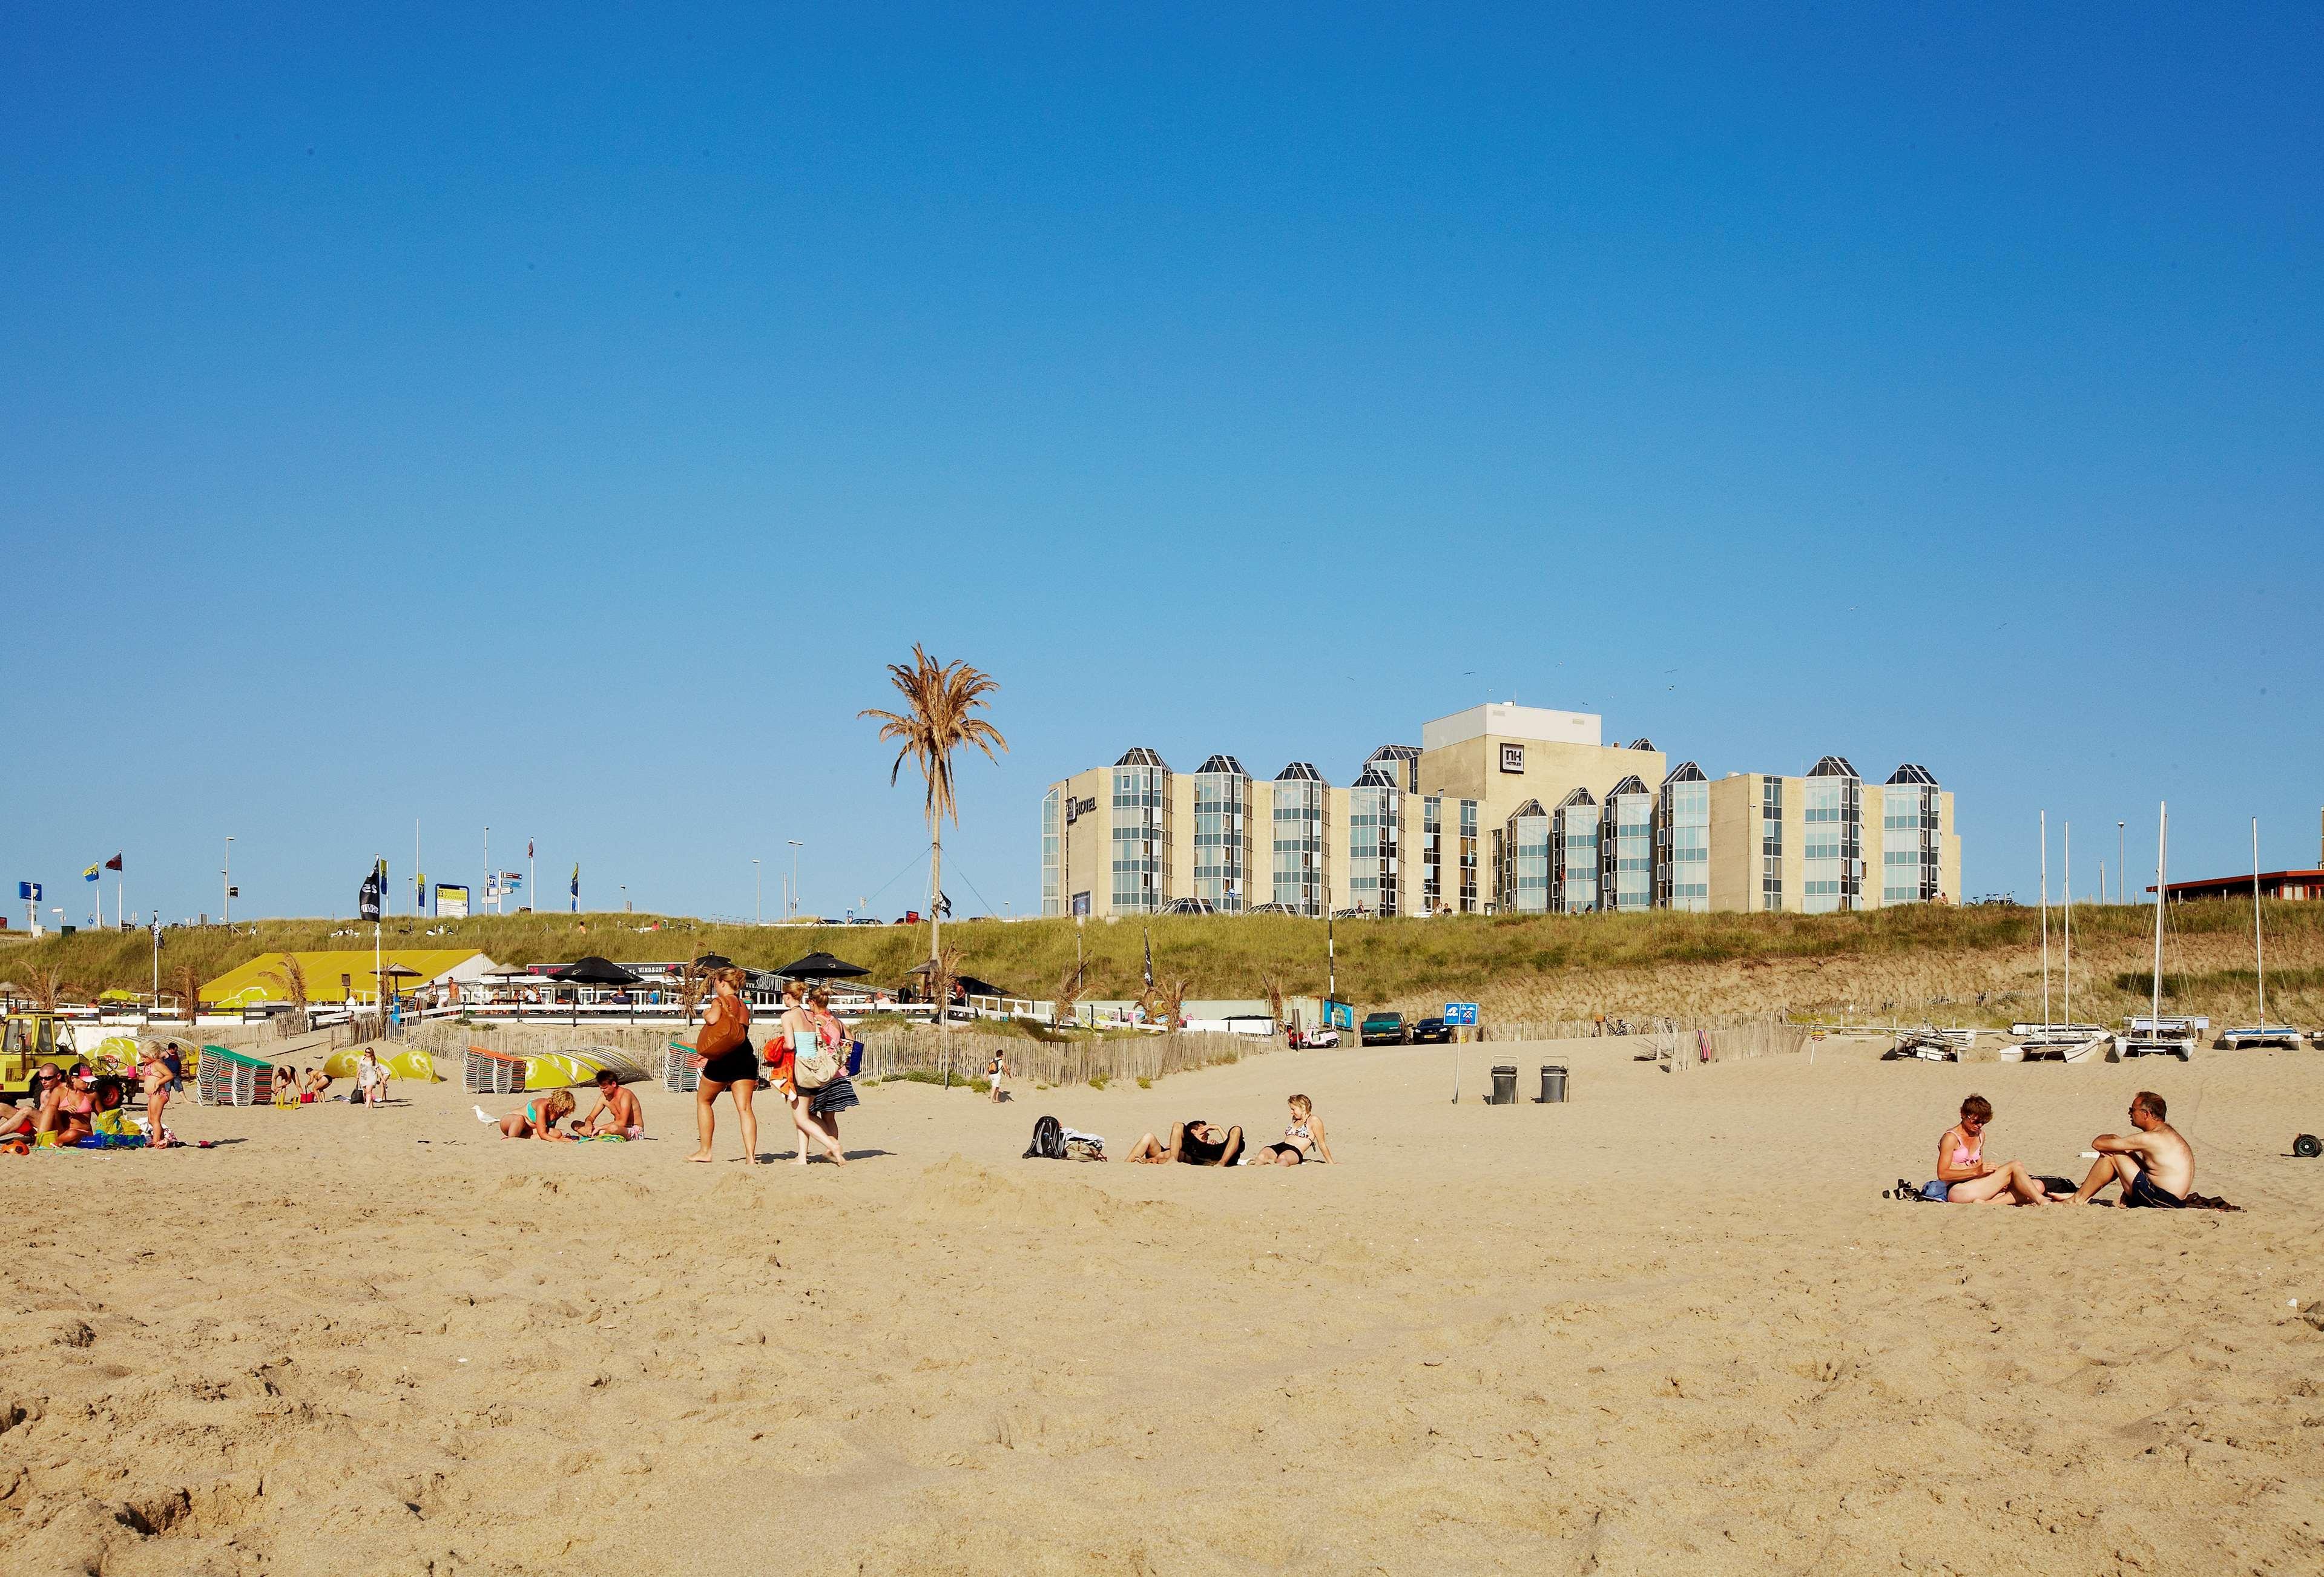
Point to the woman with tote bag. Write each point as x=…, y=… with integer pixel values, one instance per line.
x=728, y=1063
x=796, y=1041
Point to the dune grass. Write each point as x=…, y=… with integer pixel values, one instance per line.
x=1552, y=965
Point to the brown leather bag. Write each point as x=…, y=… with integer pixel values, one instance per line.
x=721, y=1035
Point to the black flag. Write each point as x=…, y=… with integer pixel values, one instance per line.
x=1149, y=959
x=375, y=882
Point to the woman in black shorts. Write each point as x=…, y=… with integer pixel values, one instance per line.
x=728, y=1063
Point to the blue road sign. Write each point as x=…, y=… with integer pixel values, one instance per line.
x=1459, y=1013
x=29, y=891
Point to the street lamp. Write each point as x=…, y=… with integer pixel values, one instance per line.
x=225, y=883
x=2118, y=862
x=758, y=886
x=796, y=847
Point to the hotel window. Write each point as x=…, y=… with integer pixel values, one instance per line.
x=1468, y=856
x=1909, y=838
x=1626, y=859
x=1432, y=854
x=1141, y=833
x=1682, y=840
x=1833, y=813
x=1298, y=839
x=1573, y=855
x=1052, y=845
x=1527, y=890
x=1222, y=801
x=1771, y=844
x=1372, y=816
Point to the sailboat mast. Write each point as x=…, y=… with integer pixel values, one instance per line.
x=2259, y=947
x=2045, y=919
x=2069, y=885
x=2161, y=896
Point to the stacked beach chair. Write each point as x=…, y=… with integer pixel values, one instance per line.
x=491, y=1072
x=678, y=1070
x=228, y=1078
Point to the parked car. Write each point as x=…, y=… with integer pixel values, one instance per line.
x=1430, y=1032
x=1309, y=1039
x=1384, y=1029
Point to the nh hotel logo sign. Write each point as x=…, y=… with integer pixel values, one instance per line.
x=1077, y=808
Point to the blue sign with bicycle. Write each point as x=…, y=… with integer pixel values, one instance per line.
x=1459, y=1013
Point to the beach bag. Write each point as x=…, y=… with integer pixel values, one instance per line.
x=818, y=1063
x=1085, y=1149
x=1048, y=1141
x=718, y=1039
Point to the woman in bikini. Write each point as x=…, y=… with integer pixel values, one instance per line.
x=728, y=1063
x=1303, y=1140
x=1961, y=1168
x=159, y=1079
x=540, y=1117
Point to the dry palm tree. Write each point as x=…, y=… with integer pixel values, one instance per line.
x=1166, y=1002
x=47, y=989
x=944, y=970
x=1271, y=983
x=941, y=700
x=693, y=985
x=292, y=978
x=1069, y=988
x=187, y=983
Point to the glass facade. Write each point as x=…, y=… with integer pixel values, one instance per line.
x=1374, y=811
x=1053, y=811
x=1771, y=844
x=1468, y=856
x=1222, y=800
x=1682, y=840
x=1302, y=803
x=1524, y=882
x=1573, y=855
x=1432, y=854
x=1626, y=854
x=1141, y=833
x=1909, y=836
x=1833, y=859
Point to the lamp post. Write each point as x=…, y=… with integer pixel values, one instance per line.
x=225, y=885
x=758, y=886
x=796, y=847
x=2118, y=866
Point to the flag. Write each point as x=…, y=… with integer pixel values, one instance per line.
x=577, y=888
x=367, y=897
x=528, y=848
x=1149, y=959
x=114, y=864
x=89, y=874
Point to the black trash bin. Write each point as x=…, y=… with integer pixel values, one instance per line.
x=1505, y=1086
x=1552, y=1082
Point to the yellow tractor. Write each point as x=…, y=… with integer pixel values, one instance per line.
x=28, y=1040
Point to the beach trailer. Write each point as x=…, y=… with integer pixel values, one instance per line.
x=485, y=1072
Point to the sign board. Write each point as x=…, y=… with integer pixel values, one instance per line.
x=451, y=902
x=1461, y=1013
x=29, y=891
x=1513, y=758
x=1339, y=1015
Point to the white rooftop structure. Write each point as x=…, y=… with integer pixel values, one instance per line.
x=1507, y=720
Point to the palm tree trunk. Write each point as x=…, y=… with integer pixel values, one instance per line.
x=938, y=988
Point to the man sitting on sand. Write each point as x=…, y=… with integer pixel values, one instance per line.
x=1195, y=1143
x=2154, y=1166
x=617, y=1111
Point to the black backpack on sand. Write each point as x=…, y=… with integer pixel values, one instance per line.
x=1048, y=1140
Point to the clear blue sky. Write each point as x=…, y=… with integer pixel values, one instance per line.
x=608, y=398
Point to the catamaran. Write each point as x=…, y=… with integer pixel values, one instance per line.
x=2261, y=1032
x=2155, y=1034
x=2049, y=1041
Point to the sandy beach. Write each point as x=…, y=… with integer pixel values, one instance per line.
x=1669, y=1325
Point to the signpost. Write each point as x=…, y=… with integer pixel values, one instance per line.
x=1464, y=1015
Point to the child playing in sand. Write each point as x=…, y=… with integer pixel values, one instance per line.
x=538, y=1119
x=617, y=1112
x=314, y=1087
x=286, y=1087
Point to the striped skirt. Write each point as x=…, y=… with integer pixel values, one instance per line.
x=836, y=1096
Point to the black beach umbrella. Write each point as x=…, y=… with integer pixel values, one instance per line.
x=595, y=970
x=822, y=967
x=713, y=961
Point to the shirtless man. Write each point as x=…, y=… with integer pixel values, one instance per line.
x=1193, y=1143
x=2154, y=1166
x=616, y=1112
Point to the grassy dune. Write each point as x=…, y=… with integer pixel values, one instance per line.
x=1922, y=961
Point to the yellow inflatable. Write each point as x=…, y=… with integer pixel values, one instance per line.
x=403, y=1065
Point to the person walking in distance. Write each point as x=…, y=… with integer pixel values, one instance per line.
x=728, y=1063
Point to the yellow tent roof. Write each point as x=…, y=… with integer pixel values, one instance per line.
x=247, y=983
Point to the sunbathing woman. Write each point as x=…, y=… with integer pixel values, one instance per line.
x=1961, y=1168
x=74, y=1115
x=538, y=1119
x=1194, y=1143
x=1303, y=1140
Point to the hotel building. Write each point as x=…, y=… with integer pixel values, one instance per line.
x=1499, y=809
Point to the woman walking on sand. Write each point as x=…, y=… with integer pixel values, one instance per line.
x=728, y=1063
x=799, y=1034
x=839, y=1094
